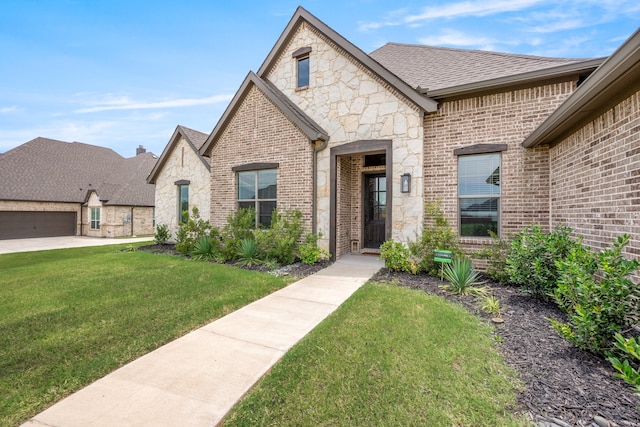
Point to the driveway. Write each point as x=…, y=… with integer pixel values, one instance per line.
x=46, y=243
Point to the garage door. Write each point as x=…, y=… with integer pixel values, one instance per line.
x=23, y=225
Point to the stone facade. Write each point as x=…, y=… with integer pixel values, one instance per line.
x=260, y=133
x=595, y=178
x=500, y=118
x=117, y=221
x=352, y=104
x=183, y=163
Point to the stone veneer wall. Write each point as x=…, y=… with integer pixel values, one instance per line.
x=112, y=225
x=500, y=118
x=595, y=178
x=9, y=205
x=352, y=104
x=260, y=133
x=183, y=163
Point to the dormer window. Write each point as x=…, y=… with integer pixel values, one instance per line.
x=302, y=66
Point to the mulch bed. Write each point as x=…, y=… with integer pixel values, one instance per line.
x=562, y=382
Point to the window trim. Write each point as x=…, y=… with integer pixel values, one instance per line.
x=497, y=197
x=180, y=185
x=94, y=223
x=256, y=201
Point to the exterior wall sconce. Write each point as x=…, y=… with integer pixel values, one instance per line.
x=405, y=183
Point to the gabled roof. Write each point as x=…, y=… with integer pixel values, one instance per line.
x=47, y=170
x=306, y=124
x=439, y=71
x=617, y=78
x=127, y=185
x=195, y=140
x=301, y=15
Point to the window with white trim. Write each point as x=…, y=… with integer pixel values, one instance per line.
x=479, y=194
x=257, y=189
x=95, y=218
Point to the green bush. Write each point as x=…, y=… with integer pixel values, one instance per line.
x=532, y=257
x=437, y=235
x=496, y=255
x=462, y=277
x=629, y=348
x=206, y=248
x=162, y=234
x=240, y=225
x=397, y=257
x=247, y=252
x=598, y=296
x=309, y=252
x=281, y=240
x=192, y=229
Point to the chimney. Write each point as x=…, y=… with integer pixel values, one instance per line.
x=140, y=150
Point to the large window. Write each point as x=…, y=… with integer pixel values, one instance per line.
x=479, y=194
x=258, y=190
x=95, y=218
x=183, y=202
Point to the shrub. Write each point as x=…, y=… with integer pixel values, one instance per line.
x=531, y=260
x=240, y=225
x=247, y=252
x=438, y=235
x=309, y=252
x=281, y=240
x=397, y=257
x=628, y=348
x=205, y=248
x=496, y=255
x=598, y=296
x=491, y=305
x=190, y=231
x=462, y=277
x=162, y=234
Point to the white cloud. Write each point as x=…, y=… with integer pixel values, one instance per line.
x=471, y=8
x=125, y=103
x=553, y=27
x=8, y=109
x=457, y=38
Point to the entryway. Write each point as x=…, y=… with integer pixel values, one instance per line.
x=375, y=210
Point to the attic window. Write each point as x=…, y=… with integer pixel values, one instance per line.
x=302, y=66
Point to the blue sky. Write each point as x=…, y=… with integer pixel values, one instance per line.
x=124, y=73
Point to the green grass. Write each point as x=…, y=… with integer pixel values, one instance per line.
x=388, y=357
x=70, y=316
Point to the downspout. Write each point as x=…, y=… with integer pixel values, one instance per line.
x=314, y=209
x=81, y=219
x=131, y=221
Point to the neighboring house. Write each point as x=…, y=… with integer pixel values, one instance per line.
x=181, y=177
x=360, y=143
x=55, y=188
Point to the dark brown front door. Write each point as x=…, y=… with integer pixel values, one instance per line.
x=375, y=210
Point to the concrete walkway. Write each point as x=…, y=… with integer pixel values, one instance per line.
x=195, y=380
x=62, y=242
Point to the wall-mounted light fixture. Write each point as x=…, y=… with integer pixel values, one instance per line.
x=405, y=183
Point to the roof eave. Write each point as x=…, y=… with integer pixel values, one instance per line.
x=153, y=175
x=516, y=80
x=424, y=102
x=617, y=73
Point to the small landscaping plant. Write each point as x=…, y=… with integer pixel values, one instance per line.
x=281, y=240
x=629, y=349
x=491, y=305
x=396, y=257
x=531, y=260
x=496, y=255
x=437, y=235
x=247, y=253
x=162, y=234
x=205, y=248
x=192, y=229
x=240, y=225
x=463, y=278
x=598, y=296
x=309, y=252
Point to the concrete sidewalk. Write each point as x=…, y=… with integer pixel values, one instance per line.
x=62, y=242
x=195, y=380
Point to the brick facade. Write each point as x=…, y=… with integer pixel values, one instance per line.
x=595, y=178
x=260, y=133
x=499, y=118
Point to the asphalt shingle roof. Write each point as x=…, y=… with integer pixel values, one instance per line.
x=439, y=67
x=49, y=170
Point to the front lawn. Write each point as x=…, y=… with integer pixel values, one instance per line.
x=70, y=316
x=388, y=356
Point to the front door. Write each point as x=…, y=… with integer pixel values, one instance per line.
x=375, y=209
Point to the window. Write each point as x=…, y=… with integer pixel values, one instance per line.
x=95, y=219
x=479, y=194
x=258, y=190
x=183, y=202
x=303, y=72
